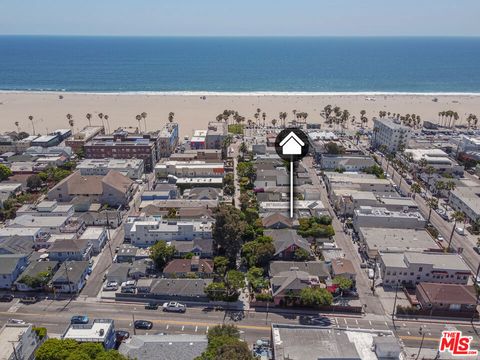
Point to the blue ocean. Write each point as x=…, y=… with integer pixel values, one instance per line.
x=240, y=64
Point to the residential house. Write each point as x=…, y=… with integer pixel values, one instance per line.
x=99, y=331
x=113, y=189
x=140, y=268
x=36, y=269
x=16, y=245
x=131, y=168
x=71, y=277
x=286, y=242
x=287, y=279
x=70, y=249
x=197, y=247
x=186, y=267
x=18, y=342
x=11, y=266
x=446, y=297
x=97, y=236
x=180, y=289
x=118, y=272
x=277, y=221
x=343, y=267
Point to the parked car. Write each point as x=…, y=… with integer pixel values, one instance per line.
x=29, y=299
x=111, y=286
x=476, y=249
x=371, y=273
x=121, y=335
x=128, y=284
x=143, y=324
x=79, y=319
x=440, y=238
x=6, y=298
x=460, y=231
x=16, y=321
x=151, y=306
x=174, y=306
x=128, y=290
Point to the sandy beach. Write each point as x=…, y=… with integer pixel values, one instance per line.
x=192, y=112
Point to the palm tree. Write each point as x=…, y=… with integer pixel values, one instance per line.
x=144, y=117
x=432, y=203
x=70, y=121
x=458, y=216
x=139, y=118
x=106, y=117
x=89, y=119
x=17, y=125
x=439, y=186
x=171, y=115
x=283, y=117
x=274, y=122
x=264, y=116
x=416, y=189
x=100, y=115
x=429, y=170
x=256, y=116
x=30, y=117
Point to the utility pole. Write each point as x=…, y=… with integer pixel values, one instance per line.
x=394, y=305
x=374, y=275
x=108, y=235
x=133, y=322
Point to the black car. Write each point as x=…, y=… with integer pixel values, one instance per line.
x=6, y=298
x=143, y=324
x=476, y=249
x=151, y=306
x=121, y=335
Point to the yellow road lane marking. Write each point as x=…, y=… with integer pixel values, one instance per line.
x=406, y=337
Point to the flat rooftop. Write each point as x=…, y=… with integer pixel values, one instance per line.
x=315, y=343
x=396, y=240
x=9, y=334
x=89, y=332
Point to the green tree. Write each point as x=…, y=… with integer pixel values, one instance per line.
x=301, y=255
x=256, y=279
x=228, y=231
x=56, y=349
x=432, y=203
x=216, y=291
x=234, y=282
x=161, y=253
x=34, y=182
x=416, y=189
x=220, y=265
x=334, y=149
x=315, y=297
x=5, y=172
x=224, y=344
x=457, y=216
x=342, y=282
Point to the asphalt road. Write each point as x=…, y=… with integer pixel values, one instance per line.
x=55, y=316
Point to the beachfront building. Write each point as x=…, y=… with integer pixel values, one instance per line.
x=198, y=140
x=346, y=162
x=78, y=141
x=131, y=168
x=146, y=231
x=123, y=145
x=216, y=133
x=387, y=132
x=168, y=139
x=53, y=139
x=415, y=267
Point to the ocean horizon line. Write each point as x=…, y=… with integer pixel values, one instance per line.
x=239, y=93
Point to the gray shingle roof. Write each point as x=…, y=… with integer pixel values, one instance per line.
x=171, y=347
x=8, y=262
x=283, y=239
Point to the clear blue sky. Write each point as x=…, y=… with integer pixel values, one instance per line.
x=241, y=17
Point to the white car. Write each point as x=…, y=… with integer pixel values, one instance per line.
x=174, y=306
x=16, y=321
x=111, y=286
x=440, y=238
x=371, y=273
x=460, y=231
